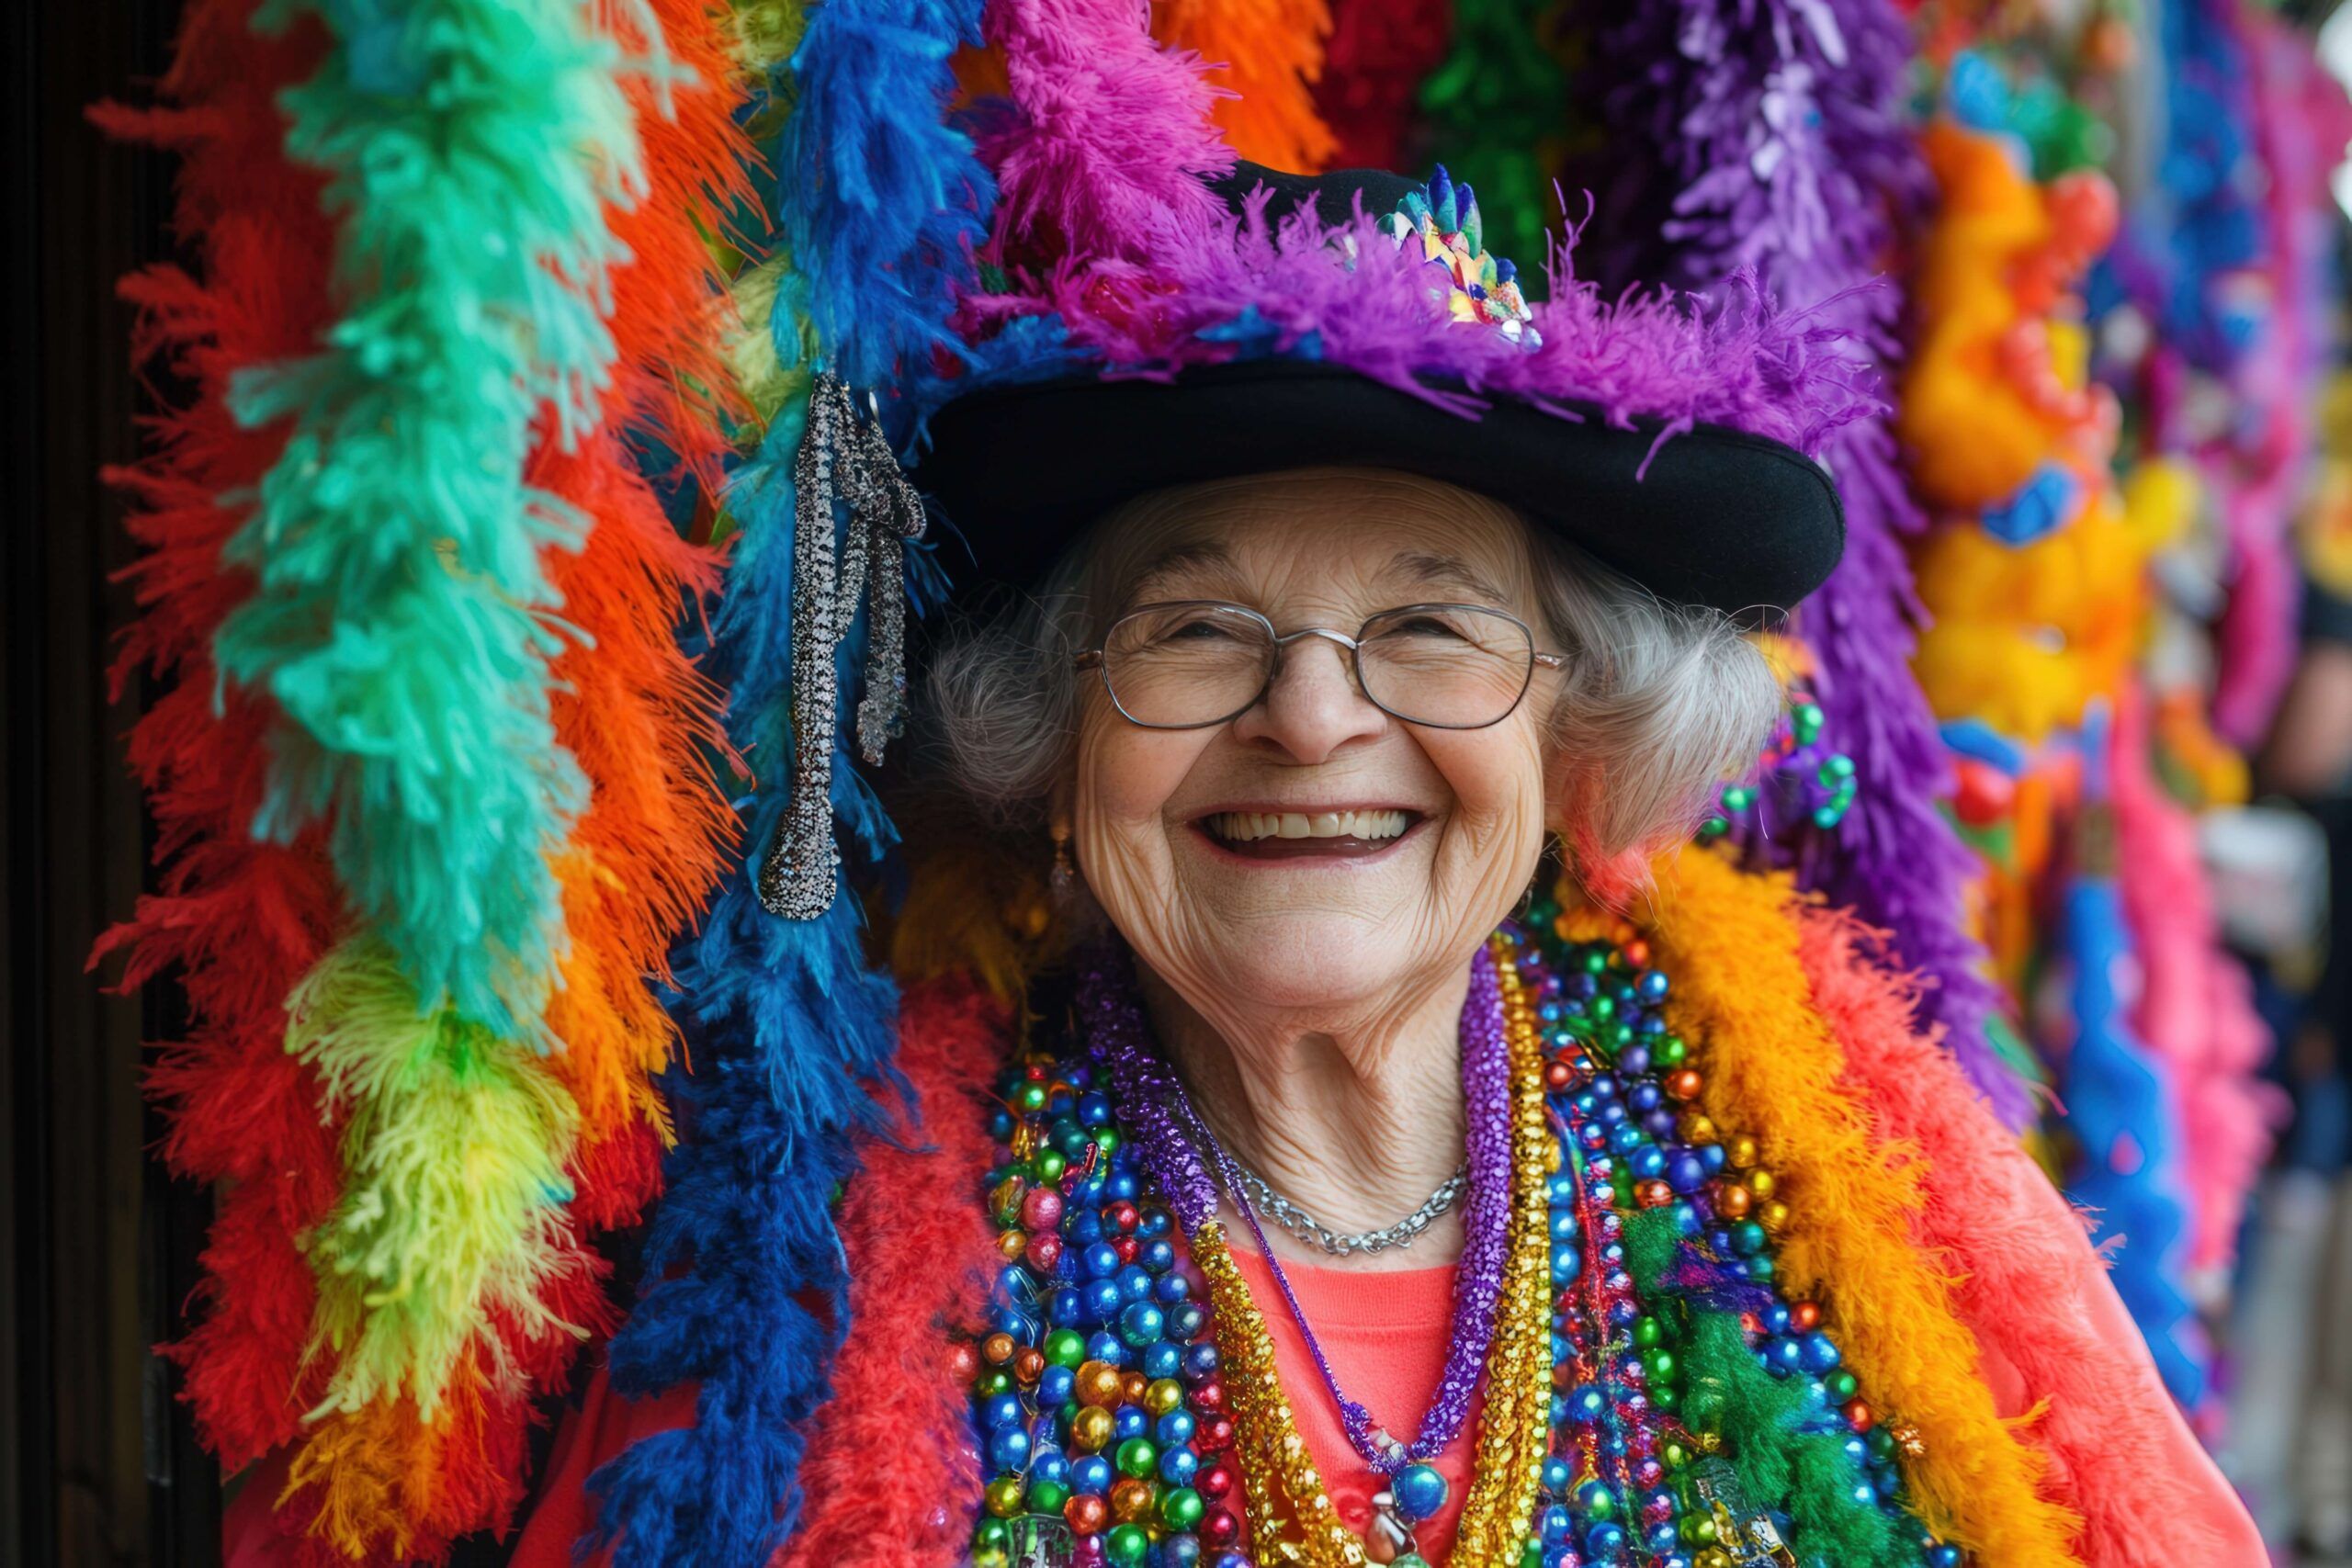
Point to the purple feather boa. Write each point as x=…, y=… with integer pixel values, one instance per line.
x=1775, y=142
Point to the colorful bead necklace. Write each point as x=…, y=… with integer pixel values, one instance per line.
x=1485, y=1081
x=1127, y=1398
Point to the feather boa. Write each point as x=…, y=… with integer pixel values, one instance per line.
x=237, y=920
x=400, y=615
x=880, y=200
x=1112, y=137
x=398, y=621
x=1777, y=140
x=1730, y=941
x=1266, y=55
x=2300, y=127
x=2195, y=1006
x=2122, y=1106
x=490, y=1282
x=1786, y=1445
x=2016, y=1247
x=783, y=1022
x=1378, y=54
x=903, y=1429
x=641, y=723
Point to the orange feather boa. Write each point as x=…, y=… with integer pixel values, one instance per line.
x=1857, y=1205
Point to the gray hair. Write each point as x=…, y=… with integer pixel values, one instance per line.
x=1660, y=703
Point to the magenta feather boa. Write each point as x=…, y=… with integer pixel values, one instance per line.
x=1110, y=134
x=2196, y=1005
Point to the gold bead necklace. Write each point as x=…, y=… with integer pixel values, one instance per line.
x=1292, y=1517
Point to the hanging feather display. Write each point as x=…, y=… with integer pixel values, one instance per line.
x=401, y=617
x=2122, y=1107
x=1378, y=54
x=1774, y=137
x=2196, y=1005
x=1068, y=175
x=2300, y=122
x=452, y=1279
x=1497, y=108
x=902, y=1427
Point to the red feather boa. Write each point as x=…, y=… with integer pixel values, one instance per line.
x=922, y=1252
x=237, y=921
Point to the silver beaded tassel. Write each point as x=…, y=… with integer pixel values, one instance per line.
x=842, y=461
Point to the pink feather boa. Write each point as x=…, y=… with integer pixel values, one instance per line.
x=2195, y=1006
x=1110, y=132
x=2302, y=122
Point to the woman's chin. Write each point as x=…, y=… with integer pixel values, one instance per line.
x=1300, y=959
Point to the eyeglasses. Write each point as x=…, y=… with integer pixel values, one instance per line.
x=1196, y=662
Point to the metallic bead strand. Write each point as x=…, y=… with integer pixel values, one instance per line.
x=841, y=461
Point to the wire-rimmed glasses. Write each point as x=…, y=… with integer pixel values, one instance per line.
x=1195, y=662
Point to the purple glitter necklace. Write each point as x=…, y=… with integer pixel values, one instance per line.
x=1173, y=1136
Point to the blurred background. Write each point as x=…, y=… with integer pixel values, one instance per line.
x=2073, y=723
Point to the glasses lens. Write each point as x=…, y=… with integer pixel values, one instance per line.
x=1175, y=665
x=1450, y=665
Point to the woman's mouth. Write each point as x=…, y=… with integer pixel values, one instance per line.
x=1302, y=835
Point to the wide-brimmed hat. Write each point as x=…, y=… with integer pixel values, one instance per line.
x=1356, y=319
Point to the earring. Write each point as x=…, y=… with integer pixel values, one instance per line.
x=1064, y=874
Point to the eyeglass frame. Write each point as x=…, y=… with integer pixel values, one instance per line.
x=1094, y=659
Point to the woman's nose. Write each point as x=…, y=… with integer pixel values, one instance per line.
x=1313, y=706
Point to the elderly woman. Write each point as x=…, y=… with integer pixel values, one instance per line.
x=1377, y=1167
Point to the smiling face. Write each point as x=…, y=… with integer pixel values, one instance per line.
x=1313, y=855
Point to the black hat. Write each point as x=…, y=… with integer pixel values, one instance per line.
x=1663, y=440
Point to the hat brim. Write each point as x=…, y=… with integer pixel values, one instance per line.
x=1710, y=516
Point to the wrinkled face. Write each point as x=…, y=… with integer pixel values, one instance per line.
x=1314, y=853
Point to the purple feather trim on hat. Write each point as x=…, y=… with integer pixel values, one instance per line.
x=1241, y=287
x=1777, y=141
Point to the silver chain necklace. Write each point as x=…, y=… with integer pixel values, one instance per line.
x=1340, y=1244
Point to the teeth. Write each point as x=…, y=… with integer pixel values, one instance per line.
x=1240, y=827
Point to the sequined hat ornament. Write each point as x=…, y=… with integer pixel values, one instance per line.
x=1484, y=288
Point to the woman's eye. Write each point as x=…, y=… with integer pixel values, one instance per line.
x=1198, y=631
x=1425, y=625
